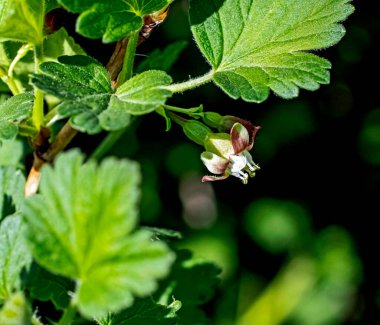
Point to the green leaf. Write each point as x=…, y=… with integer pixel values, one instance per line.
x=12, y=112
x=180, y=284
x=84, y=86
x=14, y=256
x=22, y=20
x=50, y=5
x=144, y=311
x=60, y=44
x=44, y=286
x=11, y=152
x=16, y=311
x=145, y=92
x=80, y=226
x=162, y=59
x=255, y=46
x=112, y=20
x=12, y=184
x=116, y=116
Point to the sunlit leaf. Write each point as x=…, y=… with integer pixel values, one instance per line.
x=112, y=20
x=80, y=226
x=255, y=46
x=14, y=256
x=22, y=20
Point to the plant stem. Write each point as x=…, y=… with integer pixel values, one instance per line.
x=63, y=138
x=129, y=58
x=68, y=315
x=192, y=83
x=38, y=106
x=23, y=50
x=194, y=111
x=9, y=82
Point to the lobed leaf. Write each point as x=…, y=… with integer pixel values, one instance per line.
x=22, y=20
x=80, y=226
x=14, y=256
x=258, y=45
x=112, y=20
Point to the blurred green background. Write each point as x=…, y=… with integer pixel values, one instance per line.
x=296, y=244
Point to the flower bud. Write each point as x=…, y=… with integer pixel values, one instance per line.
x=212, y=119
x=196, y=131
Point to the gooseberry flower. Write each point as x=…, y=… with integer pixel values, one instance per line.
x=228, y=154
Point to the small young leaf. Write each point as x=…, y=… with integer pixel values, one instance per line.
x=44, y=286
x=162, y=59
x=145, y=92
x=14, y=110
x=84, y=86
x=22, y=20
x=255, y=46
x=80, y=226
x=12, y=184
x=112, y=20
x=14, y=255
x=142, y=312
x=16, y=311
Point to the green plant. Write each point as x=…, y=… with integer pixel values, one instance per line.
x=74, y=238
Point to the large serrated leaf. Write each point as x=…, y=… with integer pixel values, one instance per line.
x=258, y=45
x=14, y=255
x=13, y=111
x=145, y=92
x=22, y=20
x=112, y=20
x=80, y=226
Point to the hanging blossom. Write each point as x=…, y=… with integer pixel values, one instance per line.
x=228, y=154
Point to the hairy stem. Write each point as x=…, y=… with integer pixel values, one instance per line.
x=192, y=83
x=129, y=58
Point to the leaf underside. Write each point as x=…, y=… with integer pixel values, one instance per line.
x=255, y=46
